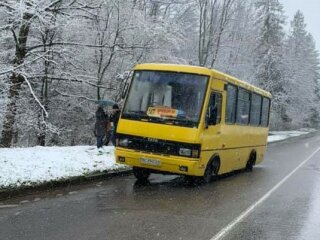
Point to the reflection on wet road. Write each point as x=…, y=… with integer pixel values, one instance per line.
x=169, y=208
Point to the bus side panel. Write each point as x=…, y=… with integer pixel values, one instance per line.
x=226, y=158
x=240, y=141
x=253, y=139
x=260, y=154
x=231, y=139
x=232, y=142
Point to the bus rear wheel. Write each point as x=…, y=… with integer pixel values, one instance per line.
x=141, y=174
x=251, y=162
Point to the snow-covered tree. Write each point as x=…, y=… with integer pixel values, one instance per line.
x=269, y=56
x=214, y=17
x=57, y=57
x=238, y=43
x=23, y=20
x=302, y=62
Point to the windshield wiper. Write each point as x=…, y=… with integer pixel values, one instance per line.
x=138, y=112
x=141, y=115
x=177, y=121
x=133, y=114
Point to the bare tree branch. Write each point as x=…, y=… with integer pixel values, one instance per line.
x=7, y=5
x=74, y=79
x=75, y=96
x=34, y=96
x=22, y=65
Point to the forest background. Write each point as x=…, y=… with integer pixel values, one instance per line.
x=58, y=57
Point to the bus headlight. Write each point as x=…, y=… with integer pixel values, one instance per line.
x=194, y=153
x=123, y=142
x=185, y=152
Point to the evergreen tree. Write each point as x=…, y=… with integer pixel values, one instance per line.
x=269, y=55
x=303, y=74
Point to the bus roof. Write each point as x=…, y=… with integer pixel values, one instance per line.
x=202, y=71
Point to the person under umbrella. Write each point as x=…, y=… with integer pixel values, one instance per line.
x=100, y=126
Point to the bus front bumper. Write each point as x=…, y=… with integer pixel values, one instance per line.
x=160, y=163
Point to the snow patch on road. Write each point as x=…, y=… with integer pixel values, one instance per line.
x=275, y=136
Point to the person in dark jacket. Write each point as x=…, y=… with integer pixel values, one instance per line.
x=100, y=126
x=114, y=117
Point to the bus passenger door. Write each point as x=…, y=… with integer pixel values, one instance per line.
x=212, y=131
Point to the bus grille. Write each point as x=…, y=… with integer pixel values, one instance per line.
x=158, y=146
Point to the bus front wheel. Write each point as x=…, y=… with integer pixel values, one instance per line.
x=208, y=173
x=141, y=174
x=211, y=170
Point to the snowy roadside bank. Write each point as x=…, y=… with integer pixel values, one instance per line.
x=275, y=136
x=24, y=167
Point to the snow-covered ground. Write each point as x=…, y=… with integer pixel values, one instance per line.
x=35, y=165
x=275, y=136
x=30, y=166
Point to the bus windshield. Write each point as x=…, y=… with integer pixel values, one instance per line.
x=166, y=97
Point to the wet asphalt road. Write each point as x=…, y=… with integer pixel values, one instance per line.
x=169, y=208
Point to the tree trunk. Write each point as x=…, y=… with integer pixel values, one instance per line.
x=9, y=119
x=42, y=128
x=41, y=139
x=42, y=118
x=16, y=81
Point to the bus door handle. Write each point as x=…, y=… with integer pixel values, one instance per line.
x=223, y=145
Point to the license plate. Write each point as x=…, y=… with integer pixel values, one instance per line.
x=148, y=161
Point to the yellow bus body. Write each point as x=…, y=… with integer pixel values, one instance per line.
x=231, y=143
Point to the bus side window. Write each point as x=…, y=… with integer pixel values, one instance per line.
x=213, y=115
x=265, y=112
x=231, y=104
x=255, y=110
x=243, y=107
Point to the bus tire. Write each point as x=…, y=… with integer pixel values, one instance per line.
x=251, y=161
x=207, y=174
x=212, y=169
x=141, y=174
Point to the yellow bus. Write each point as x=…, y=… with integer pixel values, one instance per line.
x=192, y=121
